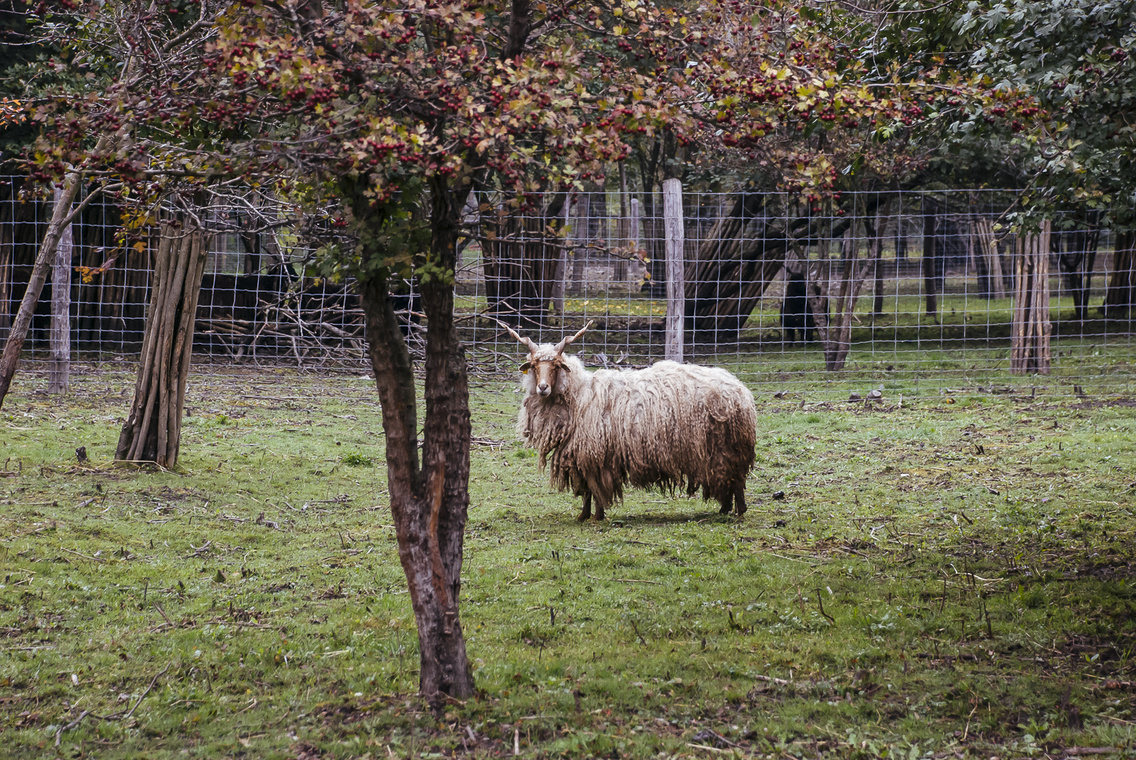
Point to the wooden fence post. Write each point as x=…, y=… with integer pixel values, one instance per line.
x=676, y=284
x=59, y=372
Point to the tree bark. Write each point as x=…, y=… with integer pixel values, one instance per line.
x=619, y=270
x=1031, y=329
x=152, y=432
x=738, y=259
x=429, y=501
x=59, y=372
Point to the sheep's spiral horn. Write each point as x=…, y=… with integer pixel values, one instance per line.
x=564, y=343
x=524, y=341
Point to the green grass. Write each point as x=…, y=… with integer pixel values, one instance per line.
x=944, y=573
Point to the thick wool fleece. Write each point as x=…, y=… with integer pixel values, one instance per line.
x=674, y=426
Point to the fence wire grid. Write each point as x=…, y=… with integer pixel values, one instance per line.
x=889, y=289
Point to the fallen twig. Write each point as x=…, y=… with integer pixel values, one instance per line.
x=623, y=580
x=199, y=550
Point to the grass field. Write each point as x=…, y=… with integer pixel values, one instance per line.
x=939, y=574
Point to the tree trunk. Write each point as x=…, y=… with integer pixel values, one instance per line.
x=1121, y=293
x=737, y=261
x=152, y=432
x=429, y=502
x=522, y=261
x=60, y=219
x=1076, y=255
x=1031, y=328
x=930, y=259
x=619, y=270
x=876, y=242
x=59, y=373
x=740, y=256
x=987, y=257
x=7, y=247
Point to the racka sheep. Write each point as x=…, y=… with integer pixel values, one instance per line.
x=671, y=425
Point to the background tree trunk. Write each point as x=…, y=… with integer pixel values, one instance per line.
x=740, y=256
x=1121, y=293
x=1076, y=255
x=930, y=258
x=987, y=257
x=876, y=243
x=152, y=432
x=838, y=335
x=59, y=372
x=1029, y=344
x=522, y=261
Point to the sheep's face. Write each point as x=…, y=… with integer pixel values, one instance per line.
x=545, y=369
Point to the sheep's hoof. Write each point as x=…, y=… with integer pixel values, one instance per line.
x=583, y=516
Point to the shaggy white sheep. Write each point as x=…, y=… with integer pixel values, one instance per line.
x=672, y=426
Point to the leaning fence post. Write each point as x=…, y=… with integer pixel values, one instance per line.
x=672, y=228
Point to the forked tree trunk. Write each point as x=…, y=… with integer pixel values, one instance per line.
x=1029, y=343
x=429, y=502
x=738, y=259
x=837, y=335
x=152, y=432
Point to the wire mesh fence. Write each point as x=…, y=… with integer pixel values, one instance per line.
x=937, y=289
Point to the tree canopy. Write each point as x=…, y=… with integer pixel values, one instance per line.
x=1069, y=66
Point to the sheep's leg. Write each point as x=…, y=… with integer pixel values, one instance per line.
x=599, y=510
x=740, y=497
x=586, y=512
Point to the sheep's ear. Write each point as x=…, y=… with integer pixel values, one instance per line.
x=526, y=367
